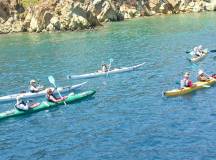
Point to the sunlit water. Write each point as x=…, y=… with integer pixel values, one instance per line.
x=128, y=118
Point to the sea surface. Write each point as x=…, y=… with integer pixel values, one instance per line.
x=128, y=118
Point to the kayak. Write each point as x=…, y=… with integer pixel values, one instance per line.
x=198, y=58
x=185, y=90
x=97, y=74
x=47, y=105
x=39, y=94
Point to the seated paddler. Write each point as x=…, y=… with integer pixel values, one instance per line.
x=22, y=105
x=34, y=87
x=186, y=82
x=202, y=76
x=52, y=98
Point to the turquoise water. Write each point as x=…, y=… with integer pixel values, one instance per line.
x=128, y=118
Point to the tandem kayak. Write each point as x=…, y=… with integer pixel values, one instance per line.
x=39, y=94
x=185, y=90
x=47, y=105
x=198, y=58
x=97, y=74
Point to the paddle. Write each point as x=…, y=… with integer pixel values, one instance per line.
x=111, y=60
x=52, y=81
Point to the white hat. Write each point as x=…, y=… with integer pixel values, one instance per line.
x=32, y=81
x=200, y=72
x=200, y=47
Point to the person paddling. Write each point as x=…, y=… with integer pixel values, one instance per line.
x=22, y=105
x=34, y=88
x=104, y=68
x=52, y=98
x=198, y=51
x=186, y=82
x=202, y=76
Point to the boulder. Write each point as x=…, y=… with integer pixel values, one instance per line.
x=107, y=13
x=50, y=27
x=17, y=27
x=55, y=23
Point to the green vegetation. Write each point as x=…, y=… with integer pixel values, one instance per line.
x=28, y=3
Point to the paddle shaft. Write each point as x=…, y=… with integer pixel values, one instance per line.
x=109, y=67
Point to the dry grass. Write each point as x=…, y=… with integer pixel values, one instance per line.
x=28, y=3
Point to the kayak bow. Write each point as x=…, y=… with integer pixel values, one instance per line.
x=47, y=105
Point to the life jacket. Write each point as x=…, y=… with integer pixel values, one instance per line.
x=48, y=97
x=31, y=89
x=186, y=83
x=17, y=104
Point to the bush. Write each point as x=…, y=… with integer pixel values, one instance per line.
x=28, y=3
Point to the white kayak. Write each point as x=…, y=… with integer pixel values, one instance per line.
x=39, y=94
x=97, y=74
x=196, y=58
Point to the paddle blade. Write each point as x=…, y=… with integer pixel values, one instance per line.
x=214, y=50
x=111, y=60
x=206, y=86
x=51, y=80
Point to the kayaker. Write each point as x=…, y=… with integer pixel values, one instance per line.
x=198, y=51
x=202, y=76
x=104, y=68
x=200, y=48
x=186, y=82
x=34, y=88
x=52, y=98
x=22, y=105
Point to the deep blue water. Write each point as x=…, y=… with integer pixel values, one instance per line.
x=128, y=118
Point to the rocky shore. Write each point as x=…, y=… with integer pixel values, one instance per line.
x=62, y=15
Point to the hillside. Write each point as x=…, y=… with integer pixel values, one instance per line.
x=61, y=15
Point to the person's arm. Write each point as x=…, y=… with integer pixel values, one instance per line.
x=34, y=89
x=51, y=98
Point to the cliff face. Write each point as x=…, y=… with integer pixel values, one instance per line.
x=54, y=15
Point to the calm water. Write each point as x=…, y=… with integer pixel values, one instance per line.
x=128, y=118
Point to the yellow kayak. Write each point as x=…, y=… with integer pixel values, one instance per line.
x=185, y=90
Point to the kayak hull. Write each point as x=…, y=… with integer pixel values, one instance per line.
x=98, y=74
x=13, y=97
x=196, y=59
x=186, y=90
x=47, y=105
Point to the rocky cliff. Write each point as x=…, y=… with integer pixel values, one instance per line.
x=62, y=15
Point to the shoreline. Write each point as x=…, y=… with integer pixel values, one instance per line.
x=70, y=15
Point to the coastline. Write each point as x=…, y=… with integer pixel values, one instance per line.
x=70, y=15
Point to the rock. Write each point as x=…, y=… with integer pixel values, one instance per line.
x=173, y=3
x=197, y=7
x=50, y=27
x=129, y=12
x=107, y=13
x=55, y=23
x=2, y=20
x=153, y=4
x=17, y=27
x=46, y=18
x=210, y=6
x=9, y=22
